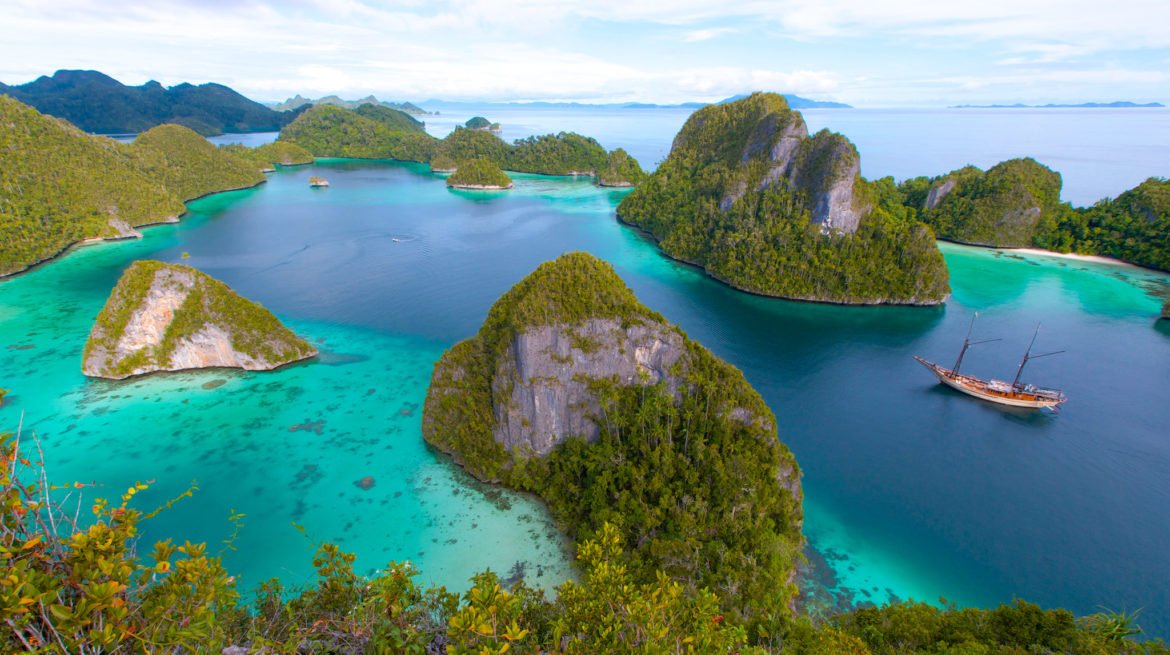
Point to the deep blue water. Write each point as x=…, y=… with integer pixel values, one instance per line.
x=911, y=490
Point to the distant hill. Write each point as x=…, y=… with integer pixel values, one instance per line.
x=300, y=101
x=98, y=103
x=1121, y=104
x=61, y=185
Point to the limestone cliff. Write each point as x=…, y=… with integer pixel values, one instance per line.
x=750, y=196
x=169, y=317
x=571, y=384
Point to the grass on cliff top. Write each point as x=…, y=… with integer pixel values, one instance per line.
x=569, y=290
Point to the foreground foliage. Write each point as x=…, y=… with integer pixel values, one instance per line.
x=84, y=587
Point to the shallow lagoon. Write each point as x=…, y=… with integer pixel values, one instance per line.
x=912, y=491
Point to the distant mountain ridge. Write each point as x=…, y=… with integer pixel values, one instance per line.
x=1120, y=104
x=796, y=102
x=298, y=101
x=97, y=103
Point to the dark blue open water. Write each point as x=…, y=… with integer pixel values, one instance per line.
x=911, y=490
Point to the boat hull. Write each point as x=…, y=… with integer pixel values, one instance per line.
x=982, y=390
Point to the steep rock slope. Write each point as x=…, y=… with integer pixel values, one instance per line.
x=169, y=317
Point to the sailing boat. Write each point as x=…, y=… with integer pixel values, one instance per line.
x=997, y=391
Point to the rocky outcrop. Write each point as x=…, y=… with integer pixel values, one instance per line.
x=939, y=191
x=546, y=375
x=169, y=317
x=536, y=379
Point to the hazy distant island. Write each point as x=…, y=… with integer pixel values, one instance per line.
x=1121, y=104
x=755, y=201
x=794, y=101
x=548, y=395
x=100, y=104
x=299, y=101
x=170, y=317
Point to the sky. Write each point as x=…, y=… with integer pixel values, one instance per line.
x=868, y=53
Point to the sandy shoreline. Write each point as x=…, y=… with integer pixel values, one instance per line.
x=1097, y=259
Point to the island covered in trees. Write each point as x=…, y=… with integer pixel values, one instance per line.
x=755, y=201
x=480, y=173
x=370, y=132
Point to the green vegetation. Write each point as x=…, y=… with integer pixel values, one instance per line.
x=442, y=164
x=700, y=482
x=1006, y=206
x=620, y=170
x=478, y=123
x=97, y=103
x=720, y=201
x=3, y=392
x=564, y=153
x=61, y=186
x=463, y=144
x=188, y=165
x=1133, y=227
x=269, y=155
x=392, y=118
x=1016, y=203
x=376, y=132
x=329, y=131
x=253, y=330
x=479, y=173
x=298, y=101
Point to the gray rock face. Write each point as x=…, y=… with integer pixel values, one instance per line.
x=938, y=192
x=546, y=373
x=824, y=168
x=144, y=332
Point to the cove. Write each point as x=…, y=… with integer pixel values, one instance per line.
x=911, y=490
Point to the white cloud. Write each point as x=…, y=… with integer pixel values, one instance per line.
x=695, y=36
x=536, y=49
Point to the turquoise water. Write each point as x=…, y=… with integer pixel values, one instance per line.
x=911, y=491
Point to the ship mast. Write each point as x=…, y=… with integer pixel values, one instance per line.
x=967, y=343
x=1028, y=355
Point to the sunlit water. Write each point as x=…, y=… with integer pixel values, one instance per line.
x=911, y=490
